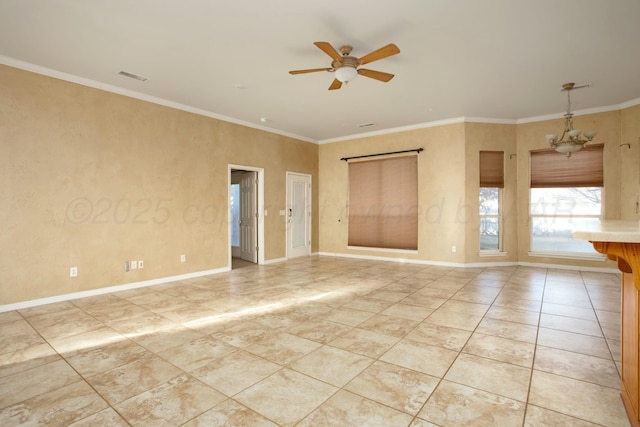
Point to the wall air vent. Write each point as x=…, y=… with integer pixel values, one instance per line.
x=133, y=76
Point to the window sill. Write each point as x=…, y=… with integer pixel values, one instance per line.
x=492, y=253
x=570, y=255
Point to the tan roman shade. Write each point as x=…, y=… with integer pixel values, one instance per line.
x=550, y=169
x=383, y=203
x=492, y=169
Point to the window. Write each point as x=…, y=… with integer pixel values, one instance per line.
x=566, y=194
x=383, y=203
x=556, y=212
x=490, y=230
x=491, y=185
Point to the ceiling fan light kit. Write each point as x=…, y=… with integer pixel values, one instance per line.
x=573, y=141
x=345, y=67
x=346, y=73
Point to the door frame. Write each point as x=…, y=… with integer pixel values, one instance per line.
x=260, y=207
x=307, y=206
x=248, y=216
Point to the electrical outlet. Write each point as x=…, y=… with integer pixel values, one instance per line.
x=127, y=266
x=134, y=264
x=183, y=258
x=141, y=264
x=73, y=272
x=453, y=249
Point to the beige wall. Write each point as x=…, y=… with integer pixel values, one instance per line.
x=491, y=137
x=448, y=184
x=91, y=179
x=441, y=191
x=629, y=161
x=530, y=136
x=448, y=171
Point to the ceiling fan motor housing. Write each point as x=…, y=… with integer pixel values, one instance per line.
x=346, y=61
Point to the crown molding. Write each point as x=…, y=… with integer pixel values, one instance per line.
x=580, y=112
x=15, y=63
x=183, y=107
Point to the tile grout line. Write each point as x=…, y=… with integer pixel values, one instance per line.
x=535, y=348
x=286, y=291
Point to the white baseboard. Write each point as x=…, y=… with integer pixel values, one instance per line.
x=474, y=264
x=109, y=289
x=570, y=267
x=394, y=259
x=274, y=261
x=135, y=285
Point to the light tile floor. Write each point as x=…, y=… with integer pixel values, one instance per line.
x=324, y=341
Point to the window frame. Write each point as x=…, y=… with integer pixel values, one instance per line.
x=499, y=250
x=590, y=255
x=549, y=171
x=492, y=171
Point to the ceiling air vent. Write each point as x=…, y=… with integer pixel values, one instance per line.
x=133, y=76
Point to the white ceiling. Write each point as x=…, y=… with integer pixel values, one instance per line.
x=500, y=60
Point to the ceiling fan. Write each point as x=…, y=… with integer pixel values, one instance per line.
x=346, y=66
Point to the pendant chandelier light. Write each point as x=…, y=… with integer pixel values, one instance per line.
x=573, y=142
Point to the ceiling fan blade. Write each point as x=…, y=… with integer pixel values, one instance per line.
x=329, y=50
x=383, y=52
x=311, y=70
x=337, y=84
x=378, y=75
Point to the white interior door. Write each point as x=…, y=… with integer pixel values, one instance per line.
x=249, y=217
x=298, y=215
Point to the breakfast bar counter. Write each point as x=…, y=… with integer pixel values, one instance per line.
x=620, y=241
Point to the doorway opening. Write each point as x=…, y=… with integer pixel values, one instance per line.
x=246, y=218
